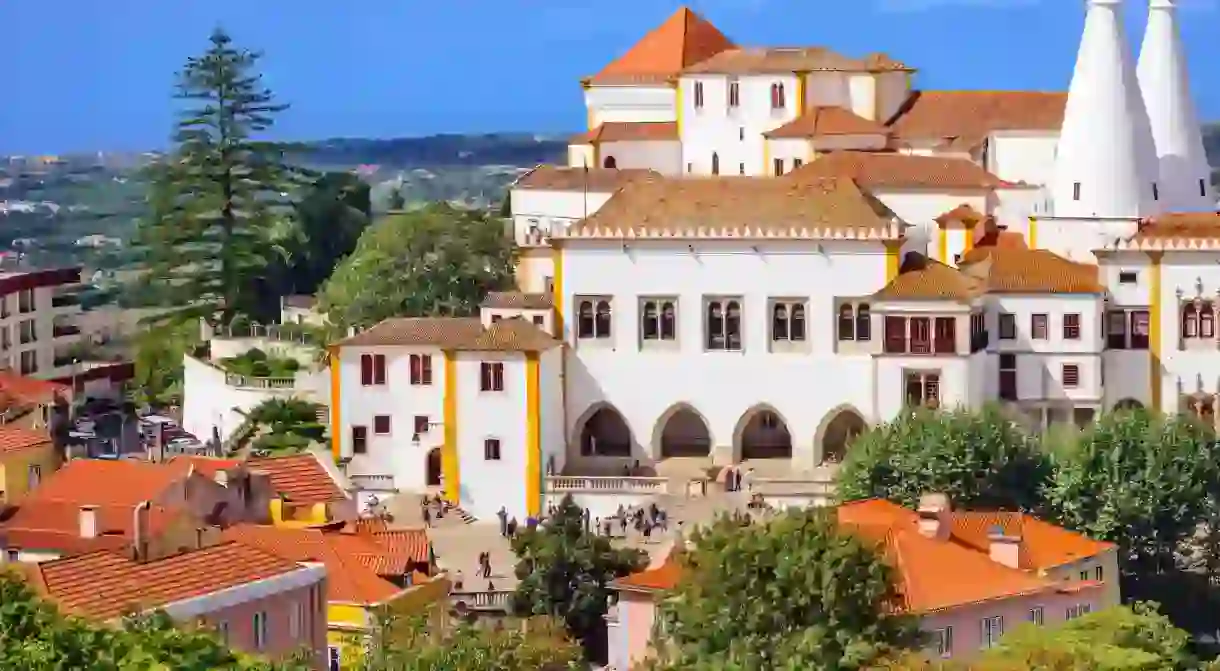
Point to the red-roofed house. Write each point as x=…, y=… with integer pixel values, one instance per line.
x=970, y=576
x=306, y=490
x=26, y=455
x=257, y=601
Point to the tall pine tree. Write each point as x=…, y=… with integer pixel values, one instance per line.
x=221, y=199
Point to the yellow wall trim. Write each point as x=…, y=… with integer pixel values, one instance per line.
x=969, y=243
x=557, y=283
x=893, y=259
x=597, y=154
x=1154, y=332
x=800, y=92
x=533, y=437
x=336, y=425
x=449, y=453
x=1033, y=233
x=678, y=106
x=942, y=245
x=766, y=166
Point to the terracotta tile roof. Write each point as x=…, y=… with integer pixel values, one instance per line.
x=516, y=300
x=598, y=180
x=106, y=584
x=29, y=390
x=938, y=574
x=621, y=131
x=964, y=213
x=16, y=439
x=1017, y=270
x=823, y=121
x=41, y=524
x=205, y=466
x=301, y=301
x=740, y=207
x=924, y=279
x=299, y=478
x=1002, y=239
x=1180, y=227
x=59, y=542
x=900, y=171
x=455, y=333
x=962, y=119
x=106, y=482
x=685, y=38
x=352, y=562
x=783, y=60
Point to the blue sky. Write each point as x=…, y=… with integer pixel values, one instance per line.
x=83, y=75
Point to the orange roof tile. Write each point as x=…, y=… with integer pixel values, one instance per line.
x=107, y=584
x=1180, y=226
x=937, y=574
x=784, y=60
x=1003, y=239
x=456, y=333
x=962, y=119
x=106, y=482
x=299, y=478
x=923, y=279
x=16, y=439
x=353, y=561
x=823, y=121
x=599, y=180
x=963, y=214
x=40, y=524
x=685, y=38
x=1017, y=270
x=20, y=390
x=899, y=171
x=205, y=466
x=621, y=131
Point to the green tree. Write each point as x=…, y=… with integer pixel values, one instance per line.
x=396, y=200
x=289, y=425
x=435, y=261
x=331, y=215
x=35, y=636
x=219, y=200
x=977, y=458
x=563, y=571
x=159, y=364
x=1136, y=479
x=417, y=644
x=793, y=593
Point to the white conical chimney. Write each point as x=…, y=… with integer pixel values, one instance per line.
x=1104, y=165
x=1162, y=71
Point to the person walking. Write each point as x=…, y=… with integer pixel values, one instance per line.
x=427, y=517
x=503, y=515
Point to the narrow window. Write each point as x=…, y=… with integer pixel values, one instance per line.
x=779, y=322
x=847, y=322
x=1076, y=191
x=797, y=325
x=601, y=323
x=1071, y=326
x=1156, y=193
x=491, y=449
x=1037, y=616
x=741, y=134
x=734, y=93
x=425, y=369
x=378, y=369
x=1008, y=377
x=360, y=439
x=584, y=320
x=1071, y=375
x=698, y=95
x=896, y=335
x=1008, y=326
x=796, y=163
x=944, y=642
x=715, y=326
x=1203, y=188
x=381, y=425
x=778, y=166
x=417, y=368
x=650, y=321
x=1038, y=326
x=732, y=325
x=668, y=316
x=946, y=335
x=921, y=335
x=1116, y=329
x=715, y=163
x=366, y=370
x=260, y=630
x=741, y=168
x=1139, y=329
x=864, y=323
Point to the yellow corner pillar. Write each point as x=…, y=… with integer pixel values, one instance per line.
x=533, y=437
x=557, y=287
x=969, y=242
x=336, y=423
x=449, y=452
x=942, y=244
x=801, y=82
x=893, y=259
x=1154, y=331
x=1033, y=233
x=678, y=106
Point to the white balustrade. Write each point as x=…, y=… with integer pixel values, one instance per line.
x=613, y=484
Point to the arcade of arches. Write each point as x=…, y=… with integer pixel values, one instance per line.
x=605, y=434
x=839, y=434
x=765, y=436
x=685, y=434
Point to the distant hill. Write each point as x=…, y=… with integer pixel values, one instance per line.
x=518, y=149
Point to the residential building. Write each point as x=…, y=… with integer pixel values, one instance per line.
x=369, y=573
x=26, y=456
x=256, y=601
x=969, y=576
x=307, y=489
x=37, y=327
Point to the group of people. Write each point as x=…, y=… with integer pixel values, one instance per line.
x=644, y=519
x=734, y=479
x=431, y=508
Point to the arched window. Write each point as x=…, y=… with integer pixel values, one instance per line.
x=610, y=162
x=732, y=325
x=584, y=320
x=864, y=323
x=780, y=102
x=779, y=322
x=715, y=325
x=601, y=321
x=715, y=163
x=1198, y=320
x=775, y=96
x=650, y=322
x=847, y=322
x=668, y=330
x=798, y=322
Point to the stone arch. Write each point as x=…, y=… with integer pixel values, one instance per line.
x=682, y=431
x=762, y=433
x=836, y=432
x=432, y=468
x=602, y=431
x=1128, y=404
x=610, y=163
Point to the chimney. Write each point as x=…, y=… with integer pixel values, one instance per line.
x=1165, y=84
x=1105, y=161
x=88, y=521
x=935, y=514
x=139, y=525
x=1004, y=548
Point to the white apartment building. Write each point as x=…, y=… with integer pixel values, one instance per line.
x=755, y=253
x=37, y=322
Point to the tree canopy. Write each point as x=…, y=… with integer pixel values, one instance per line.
x=980, y=459
x=330, y=217
x=35, y=636
x=564, y=571
x=795, y=592
x=158, y=362
x=418, y=644
x=435, y=261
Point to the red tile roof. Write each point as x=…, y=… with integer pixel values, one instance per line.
x=299, y=478
x=54, y=526
x=16, y=439
x=205, y=466
x=685, y=38
x=29, y=390
x=824, y=121
x=899, y=171
x=620, y=131
x=106, y=482
x=106, y=584
x=962, y=119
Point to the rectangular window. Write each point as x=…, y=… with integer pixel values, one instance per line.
x=381, y=425
x=1099, y=573
x=1071, y=326
x=25, y=301
x=1084, y=576
x=1037, y=616
x=978, y=332
x=593, y=318
x=421, y=369
x=946, y=335
x=28, y=331
x=1008, y=326
x=1038, y=326
x=1008, y=377
x=658, y=319
x=295, y=616
x=1128, y=277
x=777, y=166
x=366, y=370
x=741, y=168
x=1116, y=329
x=796, y=163
x=788, y=321
x=943, y=642
x=734, y=93
x=992, y=630
x=378, y=369
x=539, y=320
x=360, y=439
x=698, y=95
x=723, y=325
x=421, y=424
x=895, y=335
x=222, y=631
x=922, y=389
x=333, y=659
x=1203, y=188
x=921, y=335
x=260, y=630
x=1071, y=375
x=491, y=376
x=491, y=449
x=1076, y=191
x=1139, y=329
x=28, y=361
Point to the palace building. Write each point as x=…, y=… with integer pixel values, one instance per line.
x=757, y=252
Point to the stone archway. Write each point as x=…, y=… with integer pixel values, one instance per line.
x=762, y=433
x=682, y=432
x=837, y=432
x=604, y=433
x=432, y=469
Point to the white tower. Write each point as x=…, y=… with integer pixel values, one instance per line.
x=1105, y=163
x=1163, y=80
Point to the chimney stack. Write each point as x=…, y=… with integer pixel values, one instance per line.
x=1004, y=548
x=1105, y=160
x=139, y=525
x=1164, y=80
x=88, y=521
x=935, y=516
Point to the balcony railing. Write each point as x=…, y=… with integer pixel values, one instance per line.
x=373, y=482
x=251, y=382
x=485, y=600
x=574, y=483
x=63, y=330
